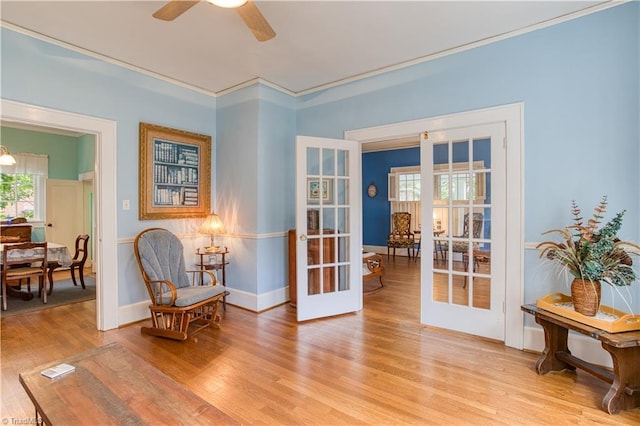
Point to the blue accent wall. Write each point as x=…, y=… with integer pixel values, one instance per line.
x=376, y=211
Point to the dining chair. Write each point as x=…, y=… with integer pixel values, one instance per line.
x=77, y=263
x=473, y=230
x=401, y=235
x=79, y=259
x=24, y=261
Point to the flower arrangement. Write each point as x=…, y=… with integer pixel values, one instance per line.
x=593, y=254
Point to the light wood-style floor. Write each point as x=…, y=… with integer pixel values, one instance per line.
x=377, y=366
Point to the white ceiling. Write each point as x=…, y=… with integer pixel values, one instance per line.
x=317, y=43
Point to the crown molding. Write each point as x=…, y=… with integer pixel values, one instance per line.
x=258, y=80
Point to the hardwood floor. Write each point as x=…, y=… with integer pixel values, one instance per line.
x=377, y=366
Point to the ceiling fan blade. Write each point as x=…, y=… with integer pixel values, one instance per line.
x=173, y=9
x=258, y=25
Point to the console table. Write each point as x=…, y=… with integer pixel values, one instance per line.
x=111, y=385
x=624, y=393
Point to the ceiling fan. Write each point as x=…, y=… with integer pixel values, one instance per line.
x=247, y=10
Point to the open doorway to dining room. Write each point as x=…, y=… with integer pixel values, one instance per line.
x=105, y=249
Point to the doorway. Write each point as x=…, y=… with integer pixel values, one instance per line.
x=104, y=132
x=512, y=117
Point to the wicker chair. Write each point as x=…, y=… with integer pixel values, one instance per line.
x=180, y=306
x=401, y=235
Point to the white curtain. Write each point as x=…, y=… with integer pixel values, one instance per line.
x=29, y=164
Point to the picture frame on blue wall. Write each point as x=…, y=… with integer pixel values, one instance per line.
x=372, y=190
x=174, y=173
x=315, y=190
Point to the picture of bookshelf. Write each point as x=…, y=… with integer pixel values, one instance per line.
x=175, y=173
x=175, y=176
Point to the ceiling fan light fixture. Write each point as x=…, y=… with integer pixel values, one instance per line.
x=230, y=4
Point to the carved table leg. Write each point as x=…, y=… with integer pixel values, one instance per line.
x=555, y=340
x=624, y=393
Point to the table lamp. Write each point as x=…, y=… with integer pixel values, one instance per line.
x=211, y=226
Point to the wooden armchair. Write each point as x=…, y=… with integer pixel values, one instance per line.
x=180, y=306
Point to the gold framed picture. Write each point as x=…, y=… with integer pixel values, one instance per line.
x=174, y=173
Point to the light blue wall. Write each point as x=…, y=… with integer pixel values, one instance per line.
x=276, y=194
x=256, y=135
x=237, y=174
x=579, y=82
x=40, y=73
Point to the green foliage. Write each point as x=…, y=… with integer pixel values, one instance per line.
x=16, y=188
x=590, y=253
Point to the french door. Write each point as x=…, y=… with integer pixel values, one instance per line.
x=464, y=183
x=328, y=243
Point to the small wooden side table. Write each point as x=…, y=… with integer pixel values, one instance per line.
x=219, y=264
x=624, y=393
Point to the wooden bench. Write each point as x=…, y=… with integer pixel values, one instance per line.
x=624, y=393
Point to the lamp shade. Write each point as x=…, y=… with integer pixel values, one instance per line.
x=211, y=226
x=6, y=159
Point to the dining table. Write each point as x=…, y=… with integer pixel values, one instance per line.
x=58, y=255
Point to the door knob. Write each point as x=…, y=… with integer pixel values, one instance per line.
x=303, y=237
x=49, y=225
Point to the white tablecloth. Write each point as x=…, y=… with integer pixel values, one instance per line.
x=55, y=253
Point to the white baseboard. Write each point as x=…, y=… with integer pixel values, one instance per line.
x=133, y=313
x=256, y=303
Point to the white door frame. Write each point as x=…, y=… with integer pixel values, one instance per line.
x=105, y=183
x=513, y=116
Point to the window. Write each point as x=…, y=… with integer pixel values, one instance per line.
x=459, y=185
x=404, y=183
x=22, y=187
x=404, y=192
x=409, y=187
x=17, y=192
